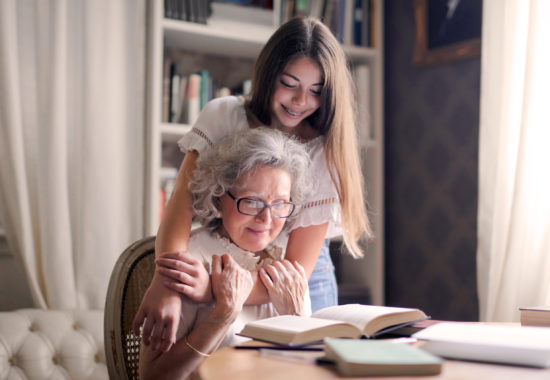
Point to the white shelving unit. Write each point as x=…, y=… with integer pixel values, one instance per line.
x=245, y=40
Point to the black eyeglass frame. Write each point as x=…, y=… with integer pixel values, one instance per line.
x=238, y=202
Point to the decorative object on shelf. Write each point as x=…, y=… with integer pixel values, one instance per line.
x=447, y=31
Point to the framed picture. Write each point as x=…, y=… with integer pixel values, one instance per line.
x=446, y=31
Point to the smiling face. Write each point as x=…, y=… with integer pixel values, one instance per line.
x=297, y=93
x=254, y=233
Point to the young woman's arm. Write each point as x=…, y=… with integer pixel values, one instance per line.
x=303, y=247
x=161, y=307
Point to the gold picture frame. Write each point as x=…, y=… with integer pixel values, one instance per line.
x=445, y=52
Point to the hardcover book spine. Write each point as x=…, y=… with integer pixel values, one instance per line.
x=193, y=101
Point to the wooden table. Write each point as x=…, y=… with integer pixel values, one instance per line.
x=229, y=363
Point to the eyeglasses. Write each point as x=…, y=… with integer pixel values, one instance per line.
x=255, y=207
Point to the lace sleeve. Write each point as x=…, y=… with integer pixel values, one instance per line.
x=218, y=118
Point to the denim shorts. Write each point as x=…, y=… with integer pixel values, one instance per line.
x=323, y=289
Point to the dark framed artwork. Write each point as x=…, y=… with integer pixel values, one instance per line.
x=447, y=31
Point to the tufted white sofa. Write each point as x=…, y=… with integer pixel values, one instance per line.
x=52, y=344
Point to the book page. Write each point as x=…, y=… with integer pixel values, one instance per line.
x=357, y=314
x=292, y=323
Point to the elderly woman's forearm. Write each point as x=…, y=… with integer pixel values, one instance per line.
x=180, y=361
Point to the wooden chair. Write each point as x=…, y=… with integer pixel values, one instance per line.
x=129, y=280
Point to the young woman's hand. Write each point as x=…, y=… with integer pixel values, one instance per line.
x=231, y=286
x=159, y=313
x=187, y=275
x=286, y=284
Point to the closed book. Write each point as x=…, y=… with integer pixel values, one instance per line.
x=175, y=97
x=509, y=344
x=342, y=321
x=204, y=93
x=535, y=316
x=192, y=99
x=360, y=357
x=166, y=90
x=365, y=132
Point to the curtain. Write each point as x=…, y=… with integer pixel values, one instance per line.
x=514, y=159
x=71, y=142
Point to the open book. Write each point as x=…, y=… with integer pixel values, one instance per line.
x=343, y=321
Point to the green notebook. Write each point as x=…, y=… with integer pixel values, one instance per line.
x=361, y=357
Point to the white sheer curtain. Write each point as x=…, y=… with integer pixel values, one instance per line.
x=514, y=176
x=71, y=141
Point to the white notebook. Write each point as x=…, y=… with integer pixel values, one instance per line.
x=510, y=344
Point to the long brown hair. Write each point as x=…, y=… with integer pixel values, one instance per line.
x=335, y=117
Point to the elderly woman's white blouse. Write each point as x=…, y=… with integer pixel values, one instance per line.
x=203, y=244
x=226, y=115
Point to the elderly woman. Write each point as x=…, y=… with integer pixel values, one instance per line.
x=244, y=191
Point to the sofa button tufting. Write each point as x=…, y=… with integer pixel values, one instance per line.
x=55, y=360
x=96, y=357
x=75, y=326
x=32, y=328
x=13, y=361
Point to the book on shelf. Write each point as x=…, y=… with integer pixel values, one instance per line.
x=205, y=93
x=349, y=20
x=361, y=76
x=535, y=316
x=245, y=11
x=188, y=10
x=361, y=23
x=173, y=91
x=360, y=357
x=180, y=100
x=342, y=321
x=509, y=344
x=166, y=89
x=192, y=101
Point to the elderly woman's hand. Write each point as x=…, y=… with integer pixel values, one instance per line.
x=187, y=275
x=231, y=286
x=286, y=284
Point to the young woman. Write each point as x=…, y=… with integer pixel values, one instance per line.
x=301, y=86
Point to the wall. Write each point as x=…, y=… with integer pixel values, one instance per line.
x=431, y=157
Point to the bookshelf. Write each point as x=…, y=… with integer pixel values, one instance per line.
x=222, y=40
